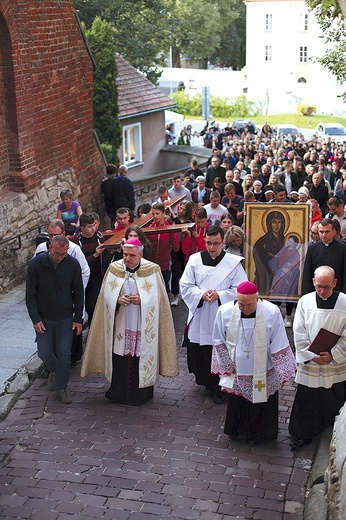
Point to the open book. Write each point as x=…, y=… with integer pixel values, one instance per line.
x=324, y=341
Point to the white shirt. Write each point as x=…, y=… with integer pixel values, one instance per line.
x=214, y=214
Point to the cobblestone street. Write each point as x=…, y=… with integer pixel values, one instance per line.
x=166, y=459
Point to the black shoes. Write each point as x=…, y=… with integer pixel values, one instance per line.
x=299, y=443
x=217, y=398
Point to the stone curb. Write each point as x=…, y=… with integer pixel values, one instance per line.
x=13, y=388
x=316, y=507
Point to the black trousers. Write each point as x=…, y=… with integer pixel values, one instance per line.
x=199, y=363
x=125, y=379
x=256, y=422
x=178, y=266
x=314, y=409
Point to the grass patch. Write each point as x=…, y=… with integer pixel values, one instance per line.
x=294, y=119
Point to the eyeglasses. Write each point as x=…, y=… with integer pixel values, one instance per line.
x=61, y=255
x=213, y=244
x=325, y=287
x=55, y=234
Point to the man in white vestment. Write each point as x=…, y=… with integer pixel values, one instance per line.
x=252, y=355
x=210, y=279
x=321, y=378
x=132, y=339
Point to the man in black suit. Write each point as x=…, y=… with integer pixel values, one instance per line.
x=215, y=170
x=319, y=192
x=289, y=178
x=326, y=251
x=107, y=188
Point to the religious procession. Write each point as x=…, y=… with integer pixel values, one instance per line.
x=252, y=244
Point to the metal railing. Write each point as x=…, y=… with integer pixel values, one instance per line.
x=19, y=237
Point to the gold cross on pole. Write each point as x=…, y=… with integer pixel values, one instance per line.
x=260, y=385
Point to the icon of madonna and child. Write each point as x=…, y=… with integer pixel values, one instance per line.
x=277, y=257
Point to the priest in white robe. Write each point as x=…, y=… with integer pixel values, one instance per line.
x=132, y=338
x=210, y=279
x=321, y=378
x=252, y=355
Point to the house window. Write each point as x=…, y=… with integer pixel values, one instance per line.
x=269, y=22
x=132, y=143
x=268, y=53
x=303, y=54
x=306, y=22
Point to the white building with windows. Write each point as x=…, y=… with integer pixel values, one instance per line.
x=282, y=39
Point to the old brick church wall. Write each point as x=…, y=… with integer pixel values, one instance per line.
x=46, y=121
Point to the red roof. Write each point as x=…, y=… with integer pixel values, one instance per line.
x=136, y=94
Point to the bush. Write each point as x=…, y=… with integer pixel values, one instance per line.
x=220, y=107
x=110, y=152
x=306, y=110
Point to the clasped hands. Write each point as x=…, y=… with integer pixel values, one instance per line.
x=127, y=299
x=210, y=296
x=323, y=359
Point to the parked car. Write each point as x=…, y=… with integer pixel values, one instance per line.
x=333, y=131
x=242, y=123
x=286, y=130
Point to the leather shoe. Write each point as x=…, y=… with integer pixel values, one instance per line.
x=217, y=398
x=299, y=443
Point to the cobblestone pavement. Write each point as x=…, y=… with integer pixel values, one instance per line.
x=166, y=459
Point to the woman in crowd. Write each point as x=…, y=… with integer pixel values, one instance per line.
x=184, y=216
x=338, y=184
x=143, y=209
x=226, y=221
x=273, y=181
x=247, y=183
x=134, y=231
x=299, y=169
x=69, y=212
x=316, y=213
x=216, y=184
x=304, y=195
x=234, y=239
x=193, y=240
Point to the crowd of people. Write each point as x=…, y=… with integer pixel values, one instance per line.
x=192, y=251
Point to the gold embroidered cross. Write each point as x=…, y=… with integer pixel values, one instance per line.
x=147, y=286
x=119, y=337
x=260, y=385
x=113, y=284
x=247, y=351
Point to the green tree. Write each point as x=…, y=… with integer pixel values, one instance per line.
x=106, y=110
x=331, y=17
x=231, y=51
x=146, y=30
x=194, y=30
x=140, y=30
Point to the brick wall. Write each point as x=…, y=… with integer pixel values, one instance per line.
x=45, y=98
x=46, y=123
